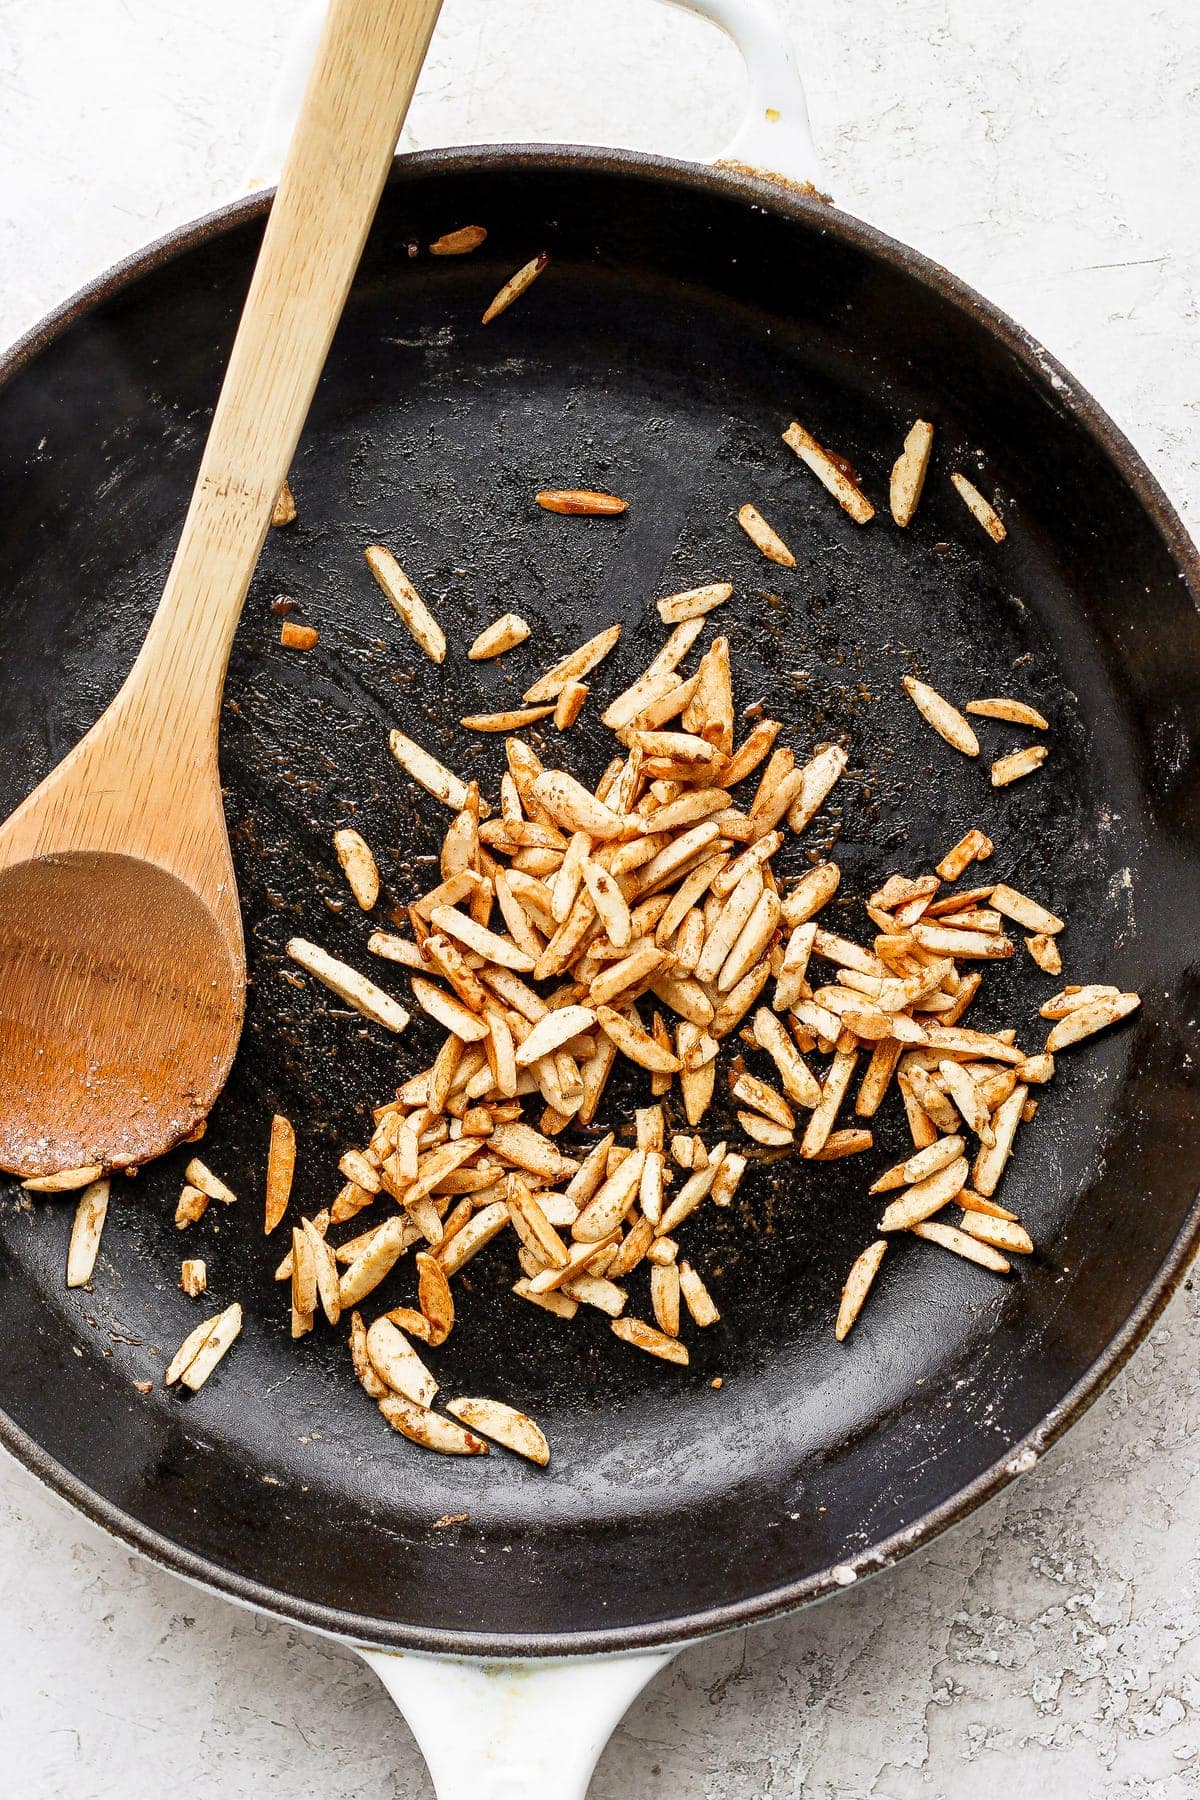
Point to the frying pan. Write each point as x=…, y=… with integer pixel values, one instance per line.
x=687, y=315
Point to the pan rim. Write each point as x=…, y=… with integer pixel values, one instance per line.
x=1044, y=370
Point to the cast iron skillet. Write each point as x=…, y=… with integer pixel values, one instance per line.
x=687, y=316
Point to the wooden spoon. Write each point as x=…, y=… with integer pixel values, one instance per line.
x=122, y=967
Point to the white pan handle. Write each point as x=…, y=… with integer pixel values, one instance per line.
x=513, y=1731
x=774, y=136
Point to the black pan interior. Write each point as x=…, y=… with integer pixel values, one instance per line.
x=683, y=321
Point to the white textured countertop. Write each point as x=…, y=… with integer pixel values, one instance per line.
x=1050, y=154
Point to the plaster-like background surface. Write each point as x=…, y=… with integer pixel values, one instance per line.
x=1051, y=155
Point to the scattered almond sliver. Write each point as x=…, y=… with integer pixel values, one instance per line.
x=946, y=720
x=830, y=473
x=764, y=538
x=979, y=508
x=515, y=286
x=581, y=502
x=908, y=473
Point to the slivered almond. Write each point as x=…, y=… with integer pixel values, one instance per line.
x=990, y=1163
x=817, y=779
x=1007, y=769
x=514, y=720
x=975, y=846
x=946, y=720
x=218, y=1337
x=504, y=633
x=980, y=509
x=1045, y=953
x=358, y=866
x=427, y=771
x=581, y=501
x=515, y=286
x=830, y=473
x=86, y=1227
x=406, y=601
x=860, y=1278
x=664, y=1297
x=1024, y=911
x=281, y=1165
x=569, y=704
x=430, y=1429
x=693, y=603
x=926, y=1197
x=962, y=1244
x=573, y=667
x=284, y=510
x=646, y=1337
x=1002, y=1234
x=504, y=1425
x=764, y=538
x=907, y=482
x=1085, y=1021
x=460, y=242
x=1015, y=712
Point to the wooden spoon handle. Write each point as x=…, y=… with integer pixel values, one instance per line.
x=362, y=80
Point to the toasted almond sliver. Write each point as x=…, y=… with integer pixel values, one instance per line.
x=525, y=1148
x=1016, y=712
x=814, y=889
x=86, y=1227
x=428, y=772
x=962, y=1244
x=430, y=1429
x=863, y=1272
x=635, y=1043
x=1035, y=1068
x=325, y=1272
x=924, y=1198
x=64, y=1181
x=765, y=1131
x=968, y=1098
x=531, y=1224
x=396, y=949
x=406, y=601
x=989, y=1164
x=975, y=846
x=364, y=1368
x=460, y=242
x=1085, y=1021
x=485, y=943
x=397, y=1363
x=571, y=805
x=645, y=1337
x=561, y=1305
x=1007, y=769
x=504, y=633
x=1045, y=953
x=193, y=1276
x=570, y=704
x=908, y=480
x=298, y=637
x=281, y=1166
x=581, y=501
x=664, y=1297
x=1024, y=911
x=1072, y=998
x=355, y=989
x=594, y=1290
x=608, y=1206
x=573, y=667
x=751, y=752
x=979, y=508
x=949, y=940
x=514, y=720
x=358, y=866
x=946, y=720
x=192, y=1205
x=696, y=1296
x=188, y=1350
x=284, y=510
x=609, y=902
x=1002, y=1234
x=924, y=1162
x=817, y=780
x=516, y=285
x=552, y=1031
x=837, y=1080
x=383, y=1250
x=764, y=538
x=763, y=1099
x=829, y=473
x=201, y=1176
x=449, y=1011
x=504, y=1425
x=799, y=1083
x=213, y=1345
x=693, y=603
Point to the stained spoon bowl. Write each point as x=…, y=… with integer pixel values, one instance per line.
x=121, y=1002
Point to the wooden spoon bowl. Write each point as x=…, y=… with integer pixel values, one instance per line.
x=124, y=1001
